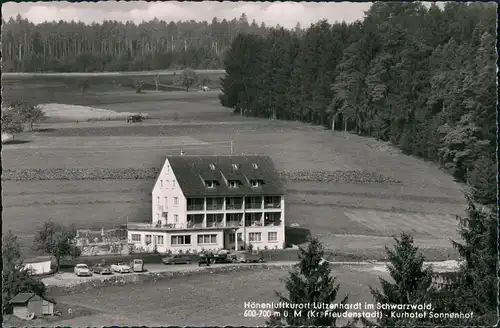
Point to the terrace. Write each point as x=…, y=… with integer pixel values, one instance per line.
x=233, y=220
x=215, y=220
x=234, y=203
x=195, y=204
x=253, y=203
x=253, y=220
x=215, y=204
x=271, y=202
x=195, y=220
x=272, y=219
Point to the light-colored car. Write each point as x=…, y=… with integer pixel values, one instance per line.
x=120, y=267
x=248, y=257
x=82, y=270
x=137, y=265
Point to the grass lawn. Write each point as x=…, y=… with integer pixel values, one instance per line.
x=199, y=300
x=345, y=216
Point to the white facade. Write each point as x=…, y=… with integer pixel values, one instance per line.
x=38, y=266
x=181, y=224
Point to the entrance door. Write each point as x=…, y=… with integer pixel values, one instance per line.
x=241, y=243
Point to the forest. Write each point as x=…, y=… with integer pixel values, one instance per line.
x=117, y=46
x=422, y=78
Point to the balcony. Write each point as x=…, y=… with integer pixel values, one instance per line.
x=195, y=204
x=253, y=220
x=234, y=203
x=215, y=204
x=233, y=224
x=195, y=221
x=215, y=220
x=195, y=207
x=253, y=203
x=272, y=202
x=234, y=220
x=272, y=219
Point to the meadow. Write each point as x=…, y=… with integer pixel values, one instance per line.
x=184, y=299
x=349, y=215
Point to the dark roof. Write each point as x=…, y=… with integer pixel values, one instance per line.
x=22, y=298
x=189, y=168
x=38, y=259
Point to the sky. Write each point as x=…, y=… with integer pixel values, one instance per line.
x=286, y=14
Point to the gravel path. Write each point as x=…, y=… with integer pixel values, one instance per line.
x=67, y=279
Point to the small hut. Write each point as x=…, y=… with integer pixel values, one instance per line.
x=39, y=265
x=29, y=305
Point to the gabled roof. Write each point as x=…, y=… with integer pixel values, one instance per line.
x=189, y=168
x=22, y=298
x=38, y=259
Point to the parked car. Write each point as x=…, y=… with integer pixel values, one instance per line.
x=120, y=267
x=135, y=118
x=248, y=257
x=137, y=265
x=205, y=259
x=82, y=270
x=176, y=259
x=101, y=269
x=224, y=256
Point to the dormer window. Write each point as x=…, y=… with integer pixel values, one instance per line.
x=255, y=166
x=233, y=184
x=255, y=183
x=235, y=166
x=212, y=167
x=210, y=184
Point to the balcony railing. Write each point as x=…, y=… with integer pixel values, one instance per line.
x=195, y=207
x=253, y=206
x=272, y=205
x=233, y=224
x=215, y=207
x=234, y=206
x=215, y=225
x=253, y=224
x=194, y=225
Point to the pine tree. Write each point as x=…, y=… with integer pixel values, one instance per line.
x=476, y=288
x=412, y=282
x=310, y=282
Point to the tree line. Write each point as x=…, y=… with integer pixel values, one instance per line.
x=118, y=46
x=422, y=78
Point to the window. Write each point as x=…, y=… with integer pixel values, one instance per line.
x=157, y=200
x=254, y=236
x=210, y=184
x=255, y=183
x=136, y=237
x=272, y=236
x=232, y=238
x=181, y=240
x=207, y=239
x=161, y=183
x=212, y=167
x=176, y=201
x=173, y=183
x=165, y=200
x=168, y=168
x=233, y=184
x=255, y=166
x=159, y=240
x=148, y=239
x=176, y=218
x=235, y=166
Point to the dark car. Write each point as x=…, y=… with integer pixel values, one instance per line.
x=248, y=257
x=135, y=118
x=224, y=256
x=176, y=259
x=101, y=269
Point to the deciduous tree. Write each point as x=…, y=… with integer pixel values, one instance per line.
x=57, y=240
x=15, y=279
x=11, y=122
x=188, y=77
